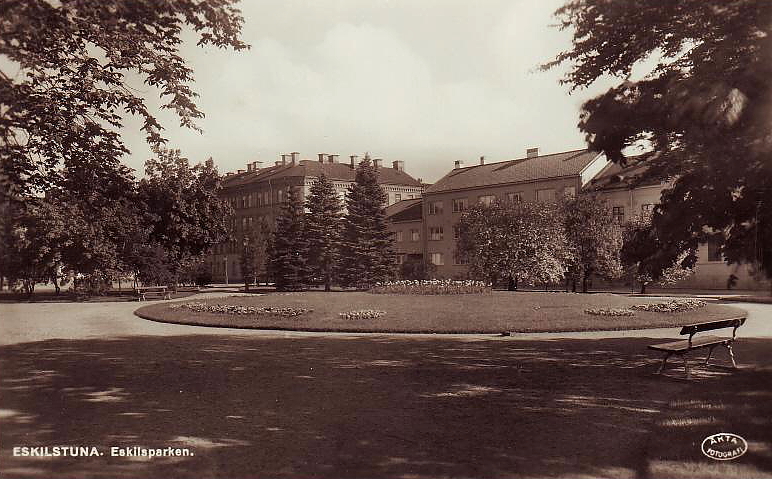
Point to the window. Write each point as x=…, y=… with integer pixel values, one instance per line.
x=399, y=237
x=397, y=197
x=459, y=205
x=436, y=259
x=714, y=248
x=400, y=258
x=456, y=232
x=547, y=194
x=279, y=196
x=415, y=235
x=618, y=212
x=569, y=191
x=459, y=258
x=435, y=233
x=647, y=207
x=435, y=207
x=515, y=197
x=486, y=200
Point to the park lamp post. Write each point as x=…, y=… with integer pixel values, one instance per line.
x=225, y=259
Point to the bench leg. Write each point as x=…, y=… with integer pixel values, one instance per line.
x=662, y=366
x=686, y=365
x=731, y=355
x=710, y=353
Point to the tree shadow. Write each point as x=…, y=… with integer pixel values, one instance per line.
x=349, y=406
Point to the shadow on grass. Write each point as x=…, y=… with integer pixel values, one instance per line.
x=353, y=407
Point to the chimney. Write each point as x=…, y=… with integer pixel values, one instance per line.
x=332, y=158
x=283, y=160
x=353, y=159
x=256, y=165
x=482, y=160
x=295, y=157
x=321, y=157
x=249, y=167
x=458, y=164
x=230, y=173
x=398, y=165
x=377, y=162
x=278, y=163
x=531, y=152
x=241, y=171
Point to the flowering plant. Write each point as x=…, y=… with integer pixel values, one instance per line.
x=609, y=312
x=431, y=286
x=200, y=307
x=672, y=306
x=362, y=314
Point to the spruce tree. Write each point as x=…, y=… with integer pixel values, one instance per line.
x=288, y=259
x=323, y=222
x=367, y=245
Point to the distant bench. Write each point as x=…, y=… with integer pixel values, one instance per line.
x=144, y=291
x=685, y=346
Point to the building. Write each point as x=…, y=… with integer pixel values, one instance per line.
x=532, y=178
x=406, y=224
x=628, y=196
x=257, y=193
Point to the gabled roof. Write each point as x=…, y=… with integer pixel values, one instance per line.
x=614, y=176
x=405, y=210
x=310, y=168
x=515, y=171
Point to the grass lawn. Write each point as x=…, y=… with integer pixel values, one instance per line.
x=469, y=313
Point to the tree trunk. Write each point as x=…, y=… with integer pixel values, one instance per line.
x=56, y=285
x=643, y=287
x=584, y=283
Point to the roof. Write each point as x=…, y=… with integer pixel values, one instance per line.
x=520, y=170
x=405, y=210
x=614, y=175
x=310, y=168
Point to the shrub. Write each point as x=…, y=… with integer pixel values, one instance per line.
x=362, y=314
x=432, y=286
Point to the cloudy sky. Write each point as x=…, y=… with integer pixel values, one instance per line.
x=424, y=81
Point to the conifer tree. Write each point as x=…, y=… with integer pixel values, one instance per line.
x=289, y=252
x=367, y=245
x=323, y=222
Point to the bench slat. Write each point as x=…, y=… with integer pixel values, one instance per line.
x=711, y=325
x=683, y=344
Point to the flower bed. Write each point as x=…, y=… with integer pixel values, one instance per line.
x=609, y=312
x=672, y=306
x=362, y=314
x=432, y=286
x=200, y=307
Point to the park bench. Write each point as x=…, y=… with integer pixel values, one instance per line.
x=142, y=292
x=685, y=346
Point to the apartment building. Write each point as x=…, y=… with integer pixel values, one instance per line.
x=406, y=226
x=532, y=178
x=257, y=193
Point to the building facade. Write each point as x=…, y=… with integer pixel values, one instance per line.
x=257, y=193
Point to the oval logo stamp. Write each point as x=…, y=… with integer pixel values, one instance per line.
x=724, y=446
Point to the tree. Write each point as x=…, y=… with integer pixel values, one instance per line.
x=65, y=83
x=187, y=216
x=523, y=241
x=367, y=245
x=594, y=237
x=253, y=255
x=416, y=269
x=323, y=221
x=288, y=257
x=703, y=110
x=646, y=258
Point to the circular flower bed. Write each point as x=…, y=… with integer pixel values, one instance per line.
x=609, y=312
x=672, y=306
x=200, y=307
x=432, y=286
x=362, y=314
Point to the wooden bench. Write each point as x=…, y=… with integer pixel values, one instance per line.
x=685, y=346
x=143, y=292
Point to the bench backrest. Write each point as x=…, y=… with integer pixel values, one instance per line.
x=692, y=329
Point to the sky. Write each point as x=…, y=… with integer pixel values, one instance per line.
x=423, y=81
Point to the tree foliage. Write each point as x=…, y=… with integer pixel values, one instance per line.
x=253, y=255
x=367, y=245
x=595, y=239
x=703, y=110
x=323, y=222
x=288, y=257
x=186, y=215
x=522, y=240
x=65, y=80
